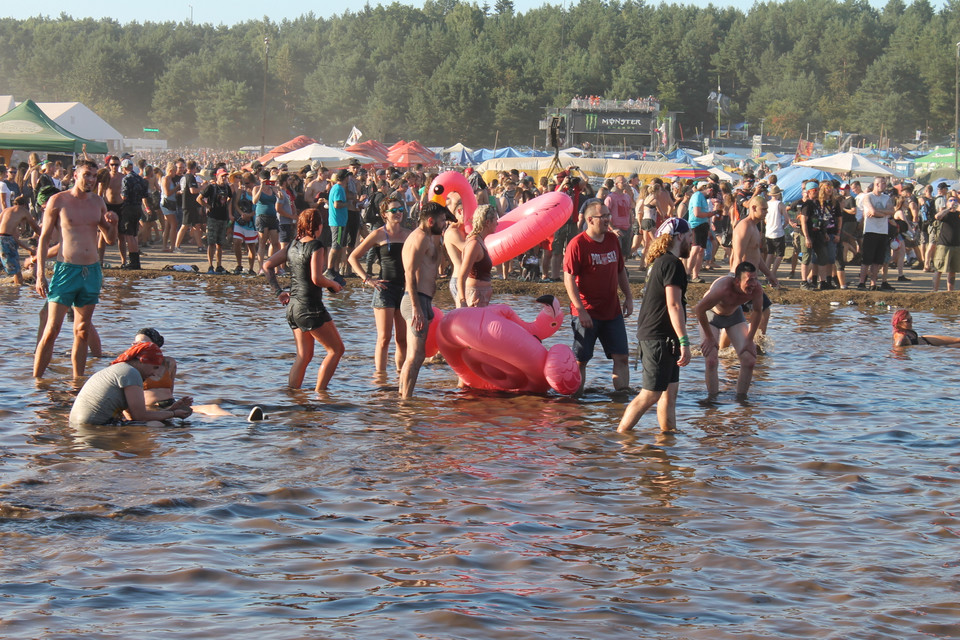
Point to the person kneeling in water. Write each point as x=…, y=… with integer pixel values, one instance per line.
x=118, y=388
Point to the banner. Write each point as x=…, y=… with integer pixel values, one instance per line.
x=804, y=151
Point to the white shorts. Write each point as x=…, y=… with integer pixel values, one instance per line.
x=247, y=235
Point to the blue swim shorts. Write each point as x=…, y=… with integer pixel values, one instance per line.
x=75, y=285
x=10, y=254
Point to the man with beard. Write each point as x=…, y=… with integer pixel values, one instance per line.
x=421, y=255
x=78, y=216
x=720, y=310
x=662, y=327
x=593, y=271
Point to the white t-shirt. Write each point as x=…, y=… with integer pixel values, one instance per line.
x=774, y=219
x=859, y=200
x=5, y=193
x=877, y=225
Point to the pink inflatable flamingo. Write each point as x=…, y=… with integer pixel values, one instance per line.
x=521, y=229
x=492, y=348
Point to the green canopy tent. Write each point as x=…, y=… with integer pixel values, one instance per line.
x=27, y=128
x=939, y=157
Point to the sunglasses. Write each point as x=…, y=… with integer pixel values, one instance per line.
x=395, y=210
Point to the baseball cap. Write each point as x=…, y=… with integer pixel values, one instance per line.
x=813, y=184
x=701, y=184
x=221, y=171
x=127, y=163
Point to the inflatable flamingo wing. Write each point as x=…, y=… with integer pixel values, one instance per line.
x=528, y=225
x=492, y=348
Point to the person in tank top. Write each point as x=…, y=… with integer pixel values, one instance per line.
x=475, y=274
x=387, y=243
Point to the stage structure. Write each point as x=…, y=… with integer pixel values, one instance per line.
x=610, y=125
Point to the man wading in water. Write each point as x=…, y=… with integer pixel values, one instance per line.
x=421, y=253
x=77, y=215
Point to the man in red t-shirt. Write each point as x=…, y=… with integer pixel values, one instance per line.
x=593, y=270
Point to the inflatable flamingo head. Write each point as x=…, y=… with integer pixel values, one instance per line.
x=550, y=318
x=454, y=182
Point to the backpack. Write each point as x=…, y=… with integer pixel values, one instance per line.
x=44, y=194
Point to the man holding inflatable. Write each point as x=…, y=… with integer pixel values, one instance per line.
x=593, y=270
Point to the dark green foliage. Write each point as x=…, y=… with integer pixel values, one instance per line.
x=458, y=71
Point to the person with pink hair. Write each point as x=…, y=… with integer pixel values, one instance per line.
x=904, y=334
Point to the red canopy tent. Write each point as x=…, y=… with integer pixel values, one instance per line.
x=409, y=155
x=291, y=145
x=398, y=144
x=371, y=149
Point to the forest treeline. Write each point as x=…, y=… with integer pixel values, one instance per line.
x=457, y=71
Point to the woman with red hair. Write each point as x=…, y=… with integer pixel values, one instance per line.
x=306, y=315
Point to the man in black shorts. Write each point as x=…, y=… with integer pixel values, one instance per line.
x=877, y=210
x=133, y=190
x=661, y=330
x=720, y=310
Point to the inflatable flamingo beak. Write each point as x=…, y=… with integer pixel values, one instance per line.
x=439, y=195
x=550, y=301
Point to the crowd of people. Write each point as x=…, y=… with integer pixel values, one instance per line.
x=318, y=226
x=649, y=104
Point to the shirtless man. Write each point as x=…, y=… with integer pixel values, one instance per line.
x=421, y=254
x=77, y=215
x=746, y=248
x=11, y=219
x=110, y=192
x=720, y=310
x=454, y=238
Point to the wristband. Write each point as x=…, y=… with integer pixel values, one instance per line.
x=684, y=341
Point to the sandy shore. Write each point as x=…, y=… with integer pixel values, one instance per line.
x=916, y=294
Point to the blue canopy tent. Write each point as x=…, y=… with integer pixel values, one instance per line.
x=791, y=179
x=683, y=156
x=462, y=157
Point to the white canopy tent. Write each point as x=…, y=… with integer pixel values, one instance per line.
x=732, y=178
x=457, y=148
x=847, y=162
x=327, y=156
x=79, y=119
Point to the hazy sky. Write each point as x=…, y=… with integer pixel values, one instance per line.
x=241, y=10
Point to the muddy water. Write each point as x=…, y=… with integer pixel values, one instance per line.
x=825, y=507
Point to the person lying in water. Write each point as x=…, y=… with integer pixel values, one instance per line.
x=904, y=335
x=118, y=388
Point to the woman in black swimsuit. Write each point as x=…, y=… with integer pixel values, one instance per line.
x=306, y=315
x=387, y=244
x=904, y=335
